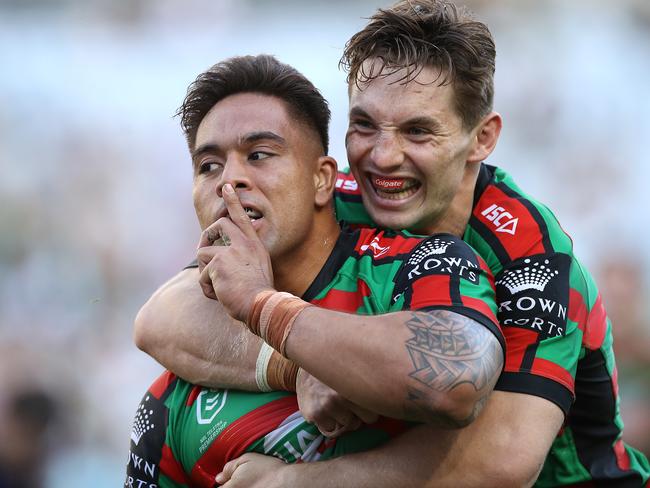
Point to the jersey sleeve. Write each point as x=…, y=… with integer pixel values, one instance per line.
x=151, y=460
x=347, y=201
x=540, y=316
x=443, y=272
x=541, y=290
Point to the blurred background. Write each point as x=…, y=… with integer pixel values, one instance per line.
x=95, y=182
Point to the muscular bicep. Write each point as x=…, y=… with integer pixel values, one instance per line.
x=427, y=366
x=194, y=337
x=455, y=357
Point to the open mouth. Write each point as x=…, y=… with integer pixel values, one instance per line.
x=394, y=188
x=253, y=214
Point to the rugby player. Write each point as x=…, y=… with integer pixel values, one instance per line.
x=412, y=320
x=421, y=125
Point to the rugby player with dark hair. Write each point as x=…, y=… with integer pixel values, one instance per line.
x=410, y=321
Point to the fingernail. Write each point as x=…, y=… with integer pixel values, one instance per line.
x=227, y=188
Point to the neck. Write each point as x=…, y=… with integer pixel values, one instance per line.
x=456, y=217
x=296, y=270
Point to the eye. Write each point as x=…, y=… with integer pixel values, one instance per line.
x=258, y=155
x=417, y=131
x=209, y=167
x=363, y=125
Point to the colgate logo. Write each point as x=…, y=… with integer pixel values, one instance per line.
x=389, y=184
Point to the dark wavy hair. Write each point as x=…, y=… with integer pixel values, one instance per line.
x=255, y=74
x=416, y=34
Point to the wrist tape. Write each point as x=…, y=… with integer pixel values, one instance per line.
x=274, y=372
x=272, y=316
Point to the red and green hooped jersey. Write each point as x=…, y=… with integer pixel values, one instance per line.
x=558, y=336
x=184, y=434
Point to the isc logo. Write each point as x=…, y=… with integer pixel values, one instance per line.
x=346, y=185
x=502, y=219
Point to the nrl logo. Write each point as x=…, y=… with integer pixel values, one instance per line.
x=208, y=404
x=437, y=246
x=377, y=250
x=535, y=276
x=142, y=423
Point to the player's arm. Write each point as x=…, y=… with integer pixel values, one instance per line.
x=194, y=337
x=397, y=364
x=436, y=366
x=505, y=447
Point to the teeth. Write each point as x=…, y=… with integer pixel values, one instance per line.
x=394, y=185
x=390, y=183
x=252, y=214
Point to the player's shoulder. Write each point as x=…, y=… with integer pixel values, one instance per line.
x=509, y=219
x=443, y=252
x=385, y=244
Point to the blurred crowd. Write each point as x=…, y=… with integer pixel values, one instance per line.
x=95, y=207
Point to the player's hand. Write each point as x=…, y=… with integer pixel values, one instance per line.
x=236, y=266
x=252, y=471
x=325, y=408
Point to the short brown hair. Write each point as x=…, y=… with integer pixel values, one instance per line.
x=255, y=74
x=417, y=34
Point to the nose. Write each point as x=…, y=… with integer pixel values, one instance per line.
x=387, y=153
x=236, y=173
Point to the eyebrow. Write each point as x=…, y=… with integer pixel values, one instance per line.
x=258, y=136
x=201, y=150
x=249, y=138
x=359, y=112
x=421, y=120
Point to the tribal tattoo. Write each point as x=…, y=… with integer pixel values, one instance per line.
x=448, y=350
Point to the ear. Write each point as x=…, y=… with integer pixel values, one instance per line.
x=486, y=137
x=325, y=180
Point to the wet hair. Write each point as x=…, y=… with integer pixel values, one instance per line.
x=262, y=74
x=415, y=34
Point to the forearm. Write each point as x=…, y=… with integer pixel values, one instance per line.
x=422, y=457
x=406, y=461
x=505, y=447
x=194, y=337
x=396, y=364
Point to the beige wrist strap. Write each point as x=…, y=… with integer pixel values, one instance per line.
x=272, y=316
x=261, y=367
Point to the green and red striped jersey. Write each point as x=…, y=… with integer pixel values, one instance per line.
x=558, y=336
x=184, y=434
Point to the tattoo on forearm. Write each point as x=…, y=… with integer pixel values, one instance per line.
x=447, y=350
